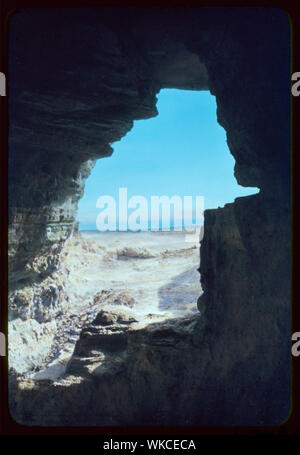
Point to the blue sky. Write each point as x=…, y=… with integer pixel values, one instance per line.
x=182, y=151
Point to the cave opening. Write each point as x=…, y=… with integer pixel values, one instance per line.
x=146, y=270
x=232, y=366
x=137, y=258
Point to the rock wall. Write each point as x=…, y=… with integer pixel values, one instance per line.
x=75, y=88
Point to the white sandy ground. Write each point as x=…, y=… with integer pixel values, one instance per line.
x=157, y=271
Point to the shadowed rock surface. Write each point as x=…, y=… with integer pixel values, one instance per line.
x=78, y=79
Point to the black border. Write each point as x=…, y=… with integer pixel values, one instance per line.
x=7, y=425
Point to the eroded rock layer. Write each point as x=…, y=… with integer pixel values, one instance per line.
x=78, y=79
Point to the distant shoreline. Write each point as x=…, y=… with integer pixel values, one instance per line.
x=183, y=230
x=170, y=232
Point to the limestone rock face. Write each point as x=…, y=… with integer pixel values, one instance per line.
x=72, y=94
x=247, y=311
x=29, y=343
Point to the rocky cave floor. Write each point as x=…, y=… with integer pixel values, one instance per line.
x=75, y=305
